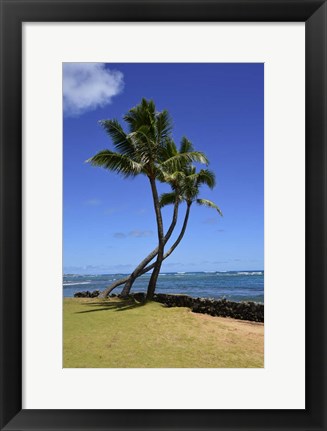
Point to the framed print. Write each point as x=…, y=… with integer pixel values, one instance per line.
x=242, y=85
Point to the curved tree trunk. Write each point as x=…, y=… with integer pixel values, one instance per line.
x=161, y=244
x=172, y=248
x=128, y=285
x=113, y=286
x=137, y=271
x=168, y=253
x=129, y=281
x=141, y=266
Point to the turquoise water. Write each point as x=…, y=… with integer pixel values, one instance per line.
x=232, y=285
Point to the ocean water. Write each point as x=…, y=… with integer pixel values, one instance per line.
x=232, y=285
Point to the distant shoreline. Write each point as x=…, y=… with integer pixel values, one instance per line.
x=99, y=274
x=235, y=286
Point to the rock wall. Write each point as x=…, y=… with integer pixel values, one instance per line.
x=249, y=310
x=87, y=294
x=222, y=307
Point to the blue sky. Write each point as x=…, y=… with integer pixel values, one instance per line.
x=109, y=222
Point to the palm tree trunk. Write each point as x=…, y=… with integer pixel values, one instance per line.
x=128, y=286
x=172, y=248
x=161, y=245
x=180, y=236
x=113, y=286
x=129, y=281
x=176, y=243
x=137, y=271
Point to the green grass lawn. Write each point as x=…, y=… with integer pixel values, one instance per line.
x=122, y=334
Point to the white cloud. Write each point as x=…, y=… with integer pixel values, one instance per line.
x=211, y=220
x=119, y=235
x=87, y=86
x=141, y=211
x=140, y=233
x=134, y=234
x=113, y=210
x=93, y=202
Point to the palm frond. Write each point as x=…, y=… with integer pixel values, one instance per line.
x=197, y=156
x=150, y=106
x=189, y=170
x=190, y=190
x=181, y=159
x=164, y=125
x=209, y=204
x=116, y=162
x=167, y=199
x=174, y=178
x=119, y=138
x=141, y=115
x=204, y=176
x=186, y=145
x=166, y=151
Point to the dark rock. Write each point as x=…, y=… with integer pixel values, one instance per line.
x=249, y=310
x=238, y=310
x=139, y=296
x=87, y=294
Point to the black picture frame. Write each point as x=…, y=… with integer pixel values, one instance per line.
x=13, y=14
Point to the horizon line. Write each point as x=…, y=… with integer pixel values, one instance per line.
x=167, y=272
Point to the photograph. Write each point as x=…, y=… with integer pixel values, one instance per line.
x=172, y=242
x=163, y=215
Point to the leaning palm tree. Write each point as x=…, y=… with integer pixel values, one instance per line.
x=166, y=175
x=145, y=149
x=188, y=191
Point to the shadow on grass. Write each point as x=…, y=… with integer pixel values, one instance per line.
x=122, y=305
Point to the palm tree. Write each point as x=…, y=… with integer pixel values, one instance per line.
x=164, y=175
x=190, y=182
x=146, y=149
x=189, y=188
